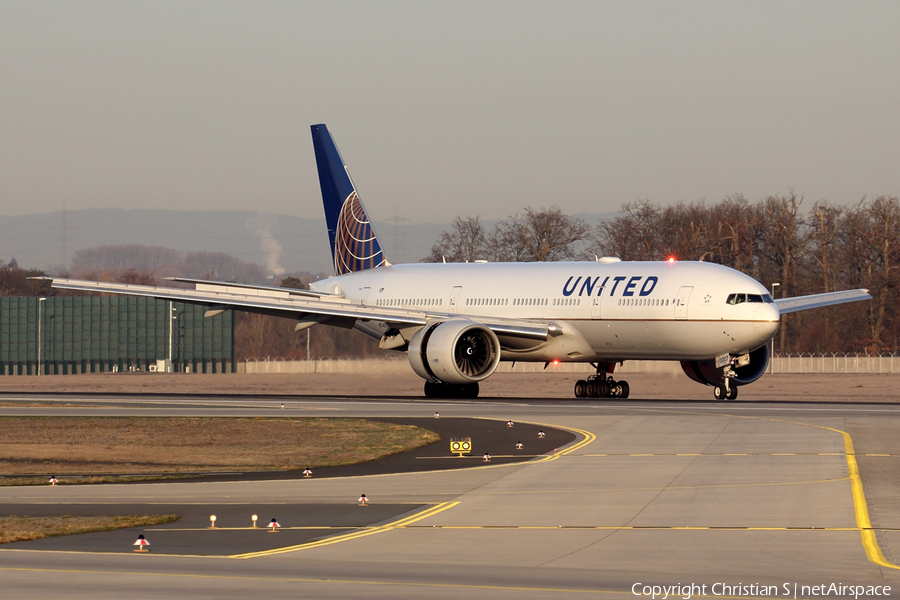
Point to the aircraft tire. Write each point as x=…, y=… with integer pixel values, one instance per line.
x=581, y=388
x=720, y=392
x=732, y=393
x=625, y=389
x=591, y=389
x=603, y=390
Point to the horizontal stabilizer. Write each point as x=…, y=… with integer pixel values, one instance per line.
x=789, y=305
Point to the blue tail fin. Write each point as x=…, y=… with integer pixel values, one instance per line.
x=354, y=245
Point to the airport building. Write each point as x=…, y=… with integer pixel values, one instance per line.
x=68, y=335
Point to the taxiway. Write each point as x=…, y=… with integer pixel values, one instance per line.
x=649, y=492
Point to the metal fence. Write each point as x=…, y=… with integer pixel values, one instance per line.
x=851, y=363
x=64, y=335
x=836, y=363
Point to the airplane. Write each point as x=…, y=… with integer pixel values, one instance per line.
x=457, y=321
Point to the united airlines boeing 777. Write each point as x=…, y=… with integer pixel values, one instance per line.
x=456, y=322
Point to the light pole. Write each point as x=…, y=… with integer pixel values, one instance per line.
x=772, y=359
x=40, y=320
x=172, y=317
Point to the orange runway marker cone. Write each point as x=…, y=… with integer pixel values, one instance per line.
x=487, y=457
x=54, y=480
x=363, y=501
x=273, y=526
x=307, y=473
x=509, y=423
x=519, y=445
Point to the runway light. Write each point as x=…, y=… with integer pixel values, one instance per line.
x=274, y=526
x=307, y=473
x=254, y=518
x=54, y=480
x=141, y=544
x=212, y=521
x=363, y=501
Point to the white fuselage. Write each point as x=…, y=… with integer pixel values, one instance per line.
x=607, y=311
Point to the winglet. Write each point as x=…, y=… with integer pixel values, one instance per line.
x=354, y=245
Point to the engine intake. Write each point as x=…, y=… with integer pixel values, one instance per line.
x=455, y=352
x=706, y=372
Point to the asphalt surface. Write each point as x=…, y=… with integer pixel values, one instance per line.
x=492, y=437
x=649, y=492
x=192, y=534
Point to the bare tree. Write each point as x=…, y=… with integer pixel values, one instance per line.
x=636, y=235
x=545, y=234
x=784, y=243
x=823, y=227
x=465, y=242
x=880, y=234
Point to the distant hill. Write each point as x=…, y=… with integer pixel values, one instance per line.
x=270, y=240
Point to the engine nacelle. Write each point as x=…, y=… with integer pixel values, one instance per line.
x=456, y=352
x=705, y=371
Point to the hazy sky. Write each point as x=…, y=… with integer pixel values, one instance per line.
x=445, y=109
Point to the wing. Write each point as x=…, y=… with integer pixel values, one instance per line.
x=298, y=304
x=789, y=305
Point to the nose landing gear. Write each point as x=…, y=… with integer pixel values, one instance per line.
x=727, y=390
x=723, y=391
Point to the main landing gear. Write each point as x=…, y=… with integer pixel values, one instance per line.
x=450, y=390
x=601, y=385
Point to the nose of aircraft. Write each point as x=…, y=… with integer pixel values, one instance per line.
x=766, y=319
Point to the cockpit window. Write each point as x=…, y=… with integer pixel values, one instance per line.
x=741, y=298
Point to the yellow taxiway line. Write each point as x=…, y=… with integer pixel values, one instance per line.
x=428, y=512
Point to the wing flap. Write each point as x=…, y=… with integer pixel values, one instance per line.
x=231, y=297
x=261, y=290
x=220, y=296
x=797, y=303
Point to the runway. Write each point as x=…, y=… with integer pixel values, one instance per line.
x=649, y=492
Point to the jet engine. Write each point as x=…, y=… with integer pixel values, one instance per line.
x=454, y=352
x=748, y=370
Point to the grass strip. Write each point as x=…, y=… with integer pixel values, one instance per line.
x=171, y=445
x=8, y=481
x=24, y=528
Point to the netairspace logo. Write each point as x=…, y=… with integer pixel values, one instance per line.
x=785, y=590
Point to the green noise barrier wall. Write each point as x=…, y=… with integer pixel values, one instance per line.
x=67, y=335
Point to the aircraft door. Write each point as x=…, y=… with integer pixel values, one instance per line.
x=454, y=297
x=364, y=296
x=681, y=303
